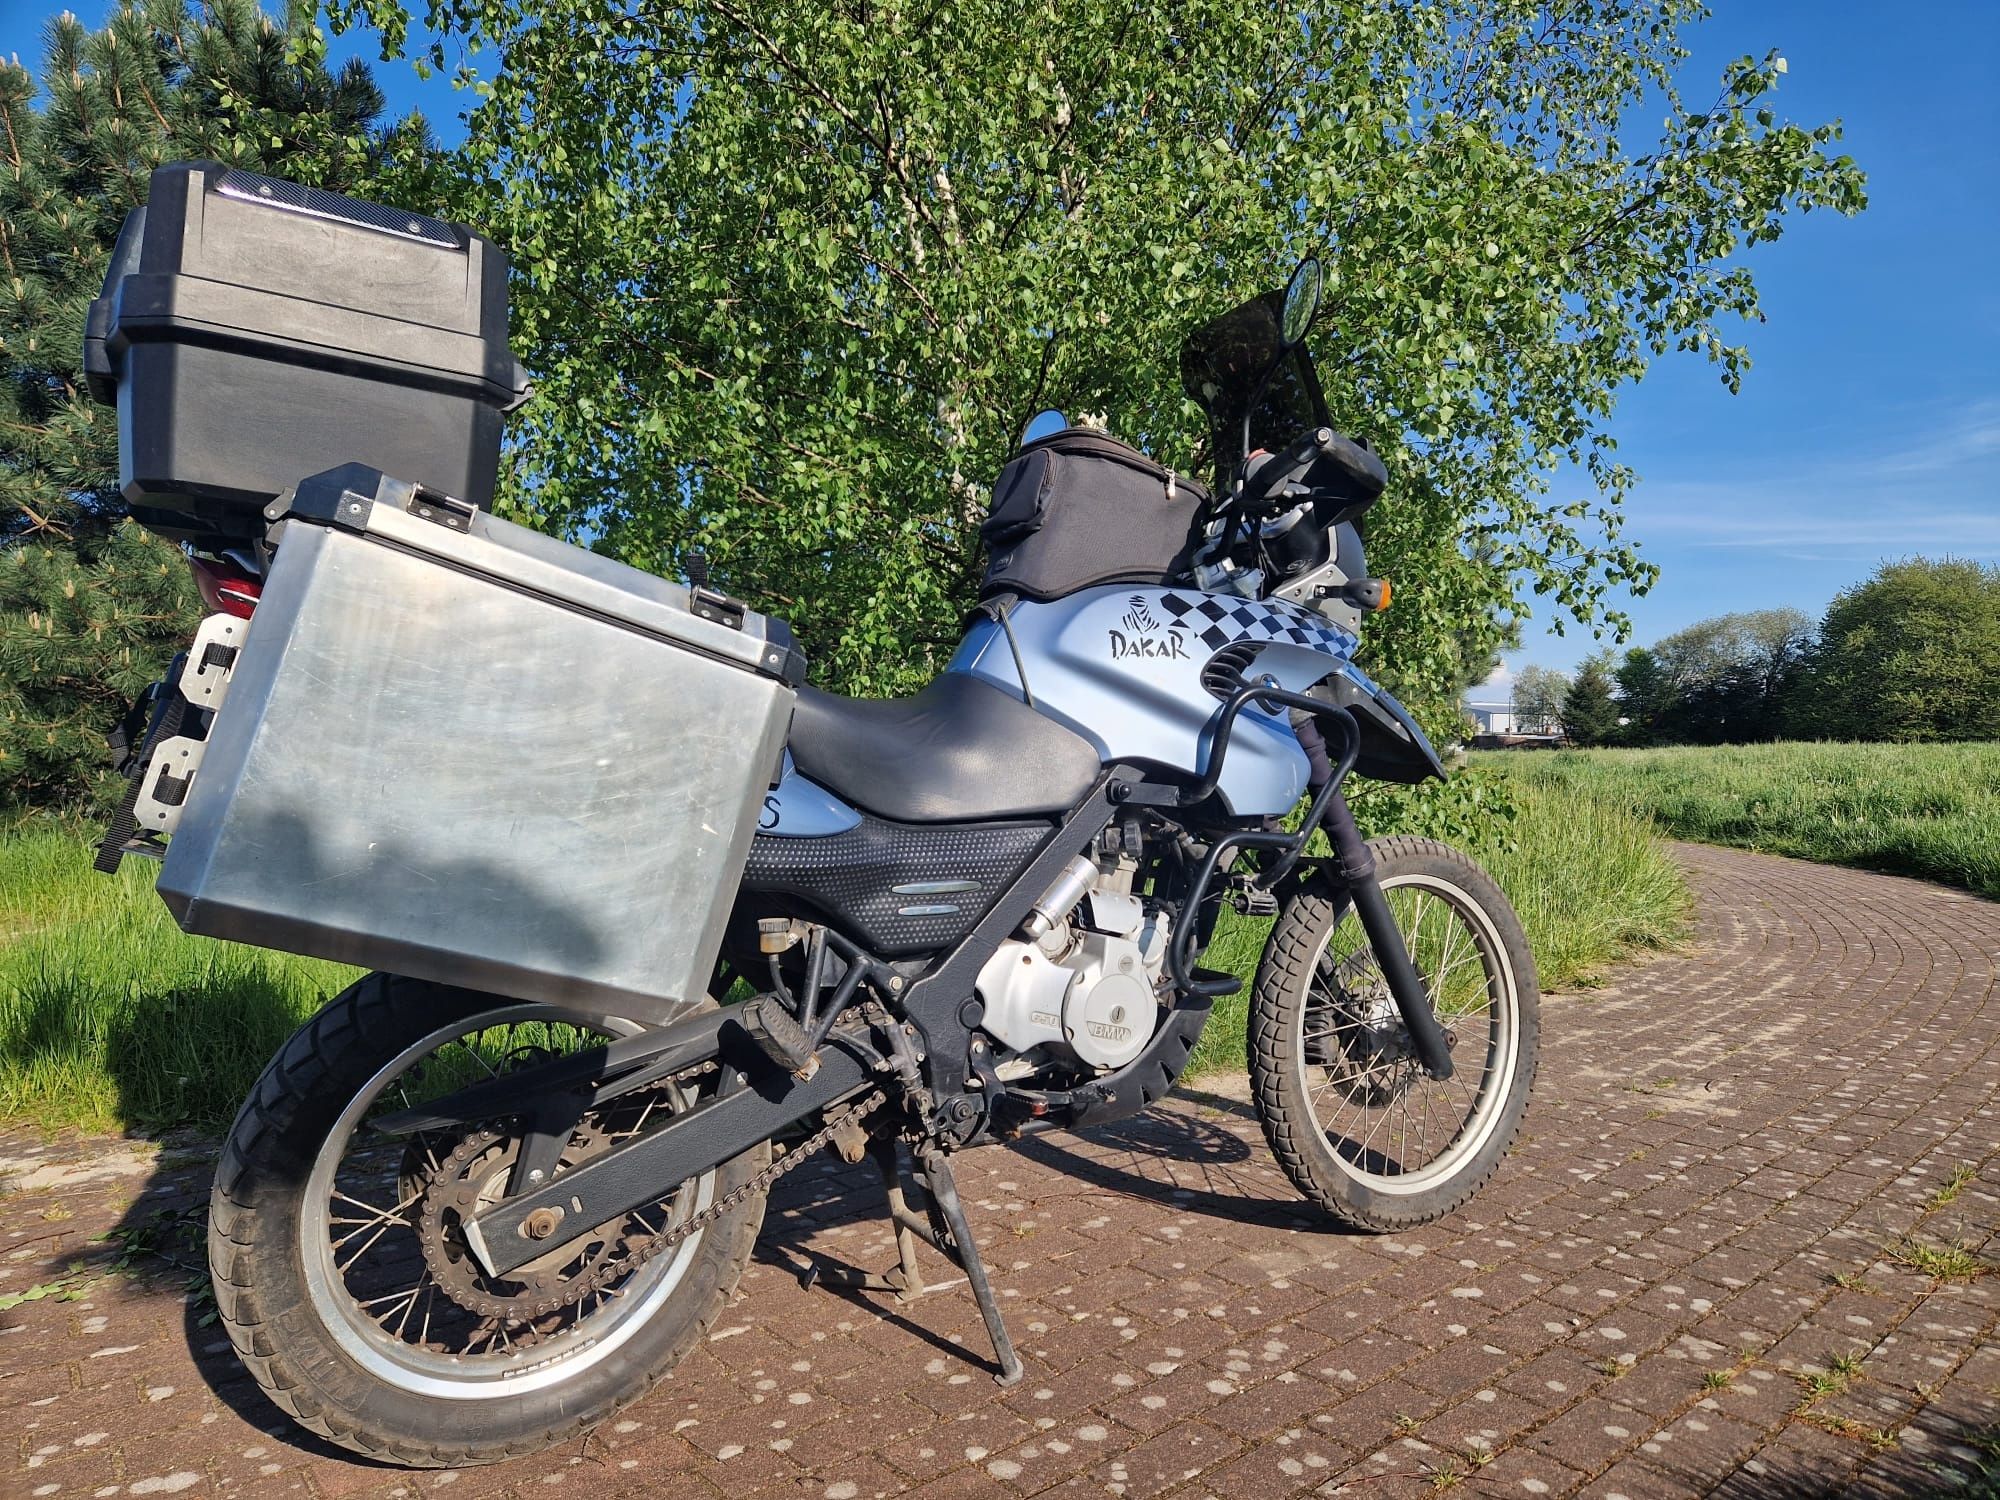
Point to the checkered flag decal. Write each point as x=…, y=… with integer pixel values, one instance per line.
x=1220, y=620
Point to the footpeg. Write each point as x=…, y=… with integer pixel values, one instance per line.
x=782, y=1039
x=1253, y=900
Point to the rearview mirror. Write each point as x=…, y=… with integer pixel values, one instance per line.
x=1043, y=424
x=1301, y=303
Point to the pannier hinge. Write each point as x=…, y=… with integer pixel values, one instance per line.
x=710, y=604
x=441, y=509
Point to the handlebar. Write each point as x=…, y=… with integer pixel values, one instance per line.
x=1283, y=517
x=1312, y=464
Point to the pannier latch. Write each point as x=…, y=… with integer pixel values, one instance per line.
x=441, y=509
x=210, y=660
x=164, y=792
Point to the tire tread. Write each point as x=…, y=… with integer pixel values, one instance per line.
x=255, y=1162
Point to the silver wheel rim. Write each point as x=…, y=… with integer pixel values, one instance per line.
x=1365, y=1148
x=595, y=1336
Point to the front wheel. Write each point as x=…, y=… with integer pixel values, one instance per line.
x=1356, y=1124
x=339, y=1257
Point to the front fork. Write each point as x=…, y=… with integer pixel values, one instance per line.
x=1354, y=864
x=1354, y=868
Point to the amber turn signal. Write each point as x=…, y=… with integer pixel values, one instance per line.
x=1365, y=593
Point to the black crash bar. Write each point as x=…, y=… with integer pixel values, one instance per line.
x=1356, y=868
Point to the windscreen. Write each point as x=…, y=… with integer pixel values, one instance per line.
x=1223, y=368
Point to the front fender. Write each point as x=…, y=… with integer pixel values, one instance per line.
x=1393, y=748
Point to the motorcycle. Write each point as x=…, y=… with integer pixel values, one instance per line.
x=452, y=1224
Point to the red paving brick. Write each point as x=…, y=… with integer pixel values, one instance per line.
x=1714, y=1139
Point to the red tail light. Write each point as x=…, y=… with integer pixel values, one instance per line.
x=226, y=587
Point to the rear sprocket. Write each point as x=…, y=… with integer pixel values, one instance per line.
x=472, y=1179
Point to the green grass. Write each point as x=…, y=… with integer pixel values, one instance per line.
x=1926, y=810
x=110, y=1016
x=1941, y=1262
x=1953, y=1186
x=1590, y=879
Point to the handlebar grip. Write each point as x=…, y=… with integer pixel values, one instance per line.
x=1357, y=465
x=1321, y=459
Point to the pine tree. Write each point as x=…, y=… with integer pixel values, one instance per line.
x=1644, y=695
x=1589, y=713
x=80, y=637
x=87, y=611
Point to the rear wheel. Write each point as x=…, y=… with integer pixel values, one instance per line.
x=339, y=1258
x=1356, y=1124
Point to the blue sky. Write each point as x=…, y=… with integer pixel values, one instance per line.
x=1869, y=426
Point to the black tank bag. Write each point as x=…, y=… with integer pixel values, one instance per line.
x=1077, y=509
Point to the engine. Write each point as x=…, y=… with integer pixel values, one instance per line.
x=1088, y=987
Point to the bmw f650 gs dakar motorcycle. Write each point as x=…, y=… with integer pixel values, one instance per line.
x=489, y=1195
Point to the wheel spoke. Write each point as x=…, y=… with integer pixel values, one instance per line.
x=473, y=1053
x=409, y=1300
x=1449, y=960
x=366, y=1245
x=383, y=1217
x=387, y=1296
x=374, y=1213
x=1376, y=1120
x=1380, y=1115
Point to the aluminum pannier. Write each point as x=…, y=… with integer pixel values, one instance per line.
x=450, y=747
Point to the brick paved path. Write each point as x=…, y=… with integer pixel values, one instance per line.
x=1688, y=1246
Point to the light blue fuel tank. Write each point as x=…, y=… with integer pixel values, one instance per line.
x=1123, y=667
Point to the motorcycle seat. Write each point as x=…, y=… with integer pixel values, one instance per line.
x=960, y=751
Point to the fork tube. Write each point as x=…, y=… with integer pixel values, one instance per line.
x=1357, y=868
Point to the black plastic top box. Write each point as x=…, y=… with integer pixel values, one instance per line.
x=252, y=332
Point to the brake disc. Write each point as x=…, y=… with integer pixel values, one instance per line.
x=1367, y=1032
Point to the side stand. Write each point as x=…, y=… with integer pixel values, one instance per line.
x=943, y=1227
x=961, y=1248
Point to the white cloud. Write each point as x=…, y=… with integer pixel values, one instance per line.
x=1940, y=494
x=1497, y=688
x=1971, y=439
x=1717, y=517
